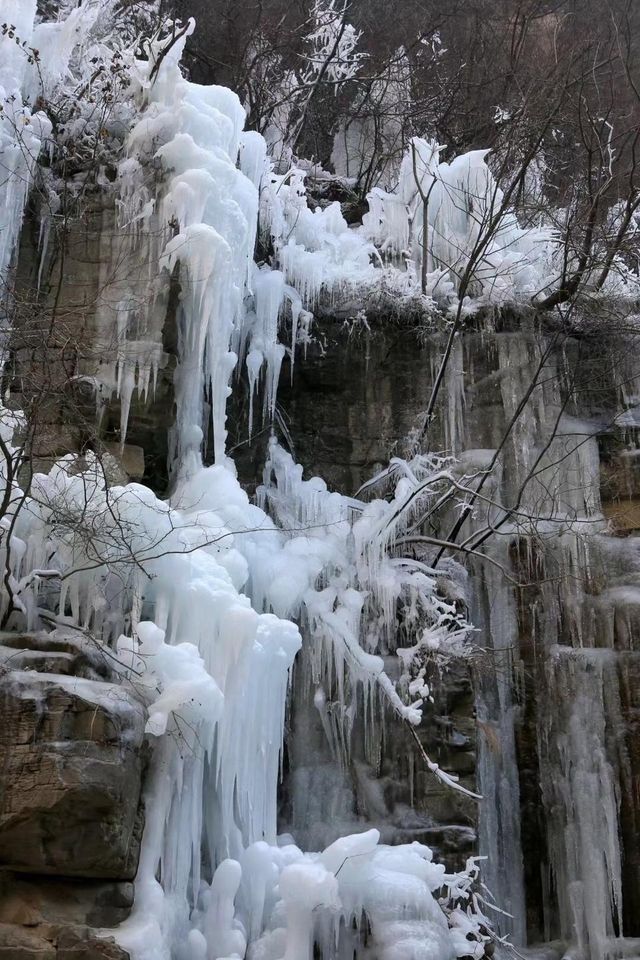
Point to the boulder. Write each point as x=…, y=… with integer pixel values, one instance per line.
x=71, y=764
x=82, y=945
x=52, y=902
x=18, y=943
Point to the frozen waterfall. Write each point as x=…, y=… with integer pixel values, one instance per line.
x=206, y=598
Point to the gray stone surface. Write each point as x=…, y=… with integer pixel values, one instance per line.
x=70, y=775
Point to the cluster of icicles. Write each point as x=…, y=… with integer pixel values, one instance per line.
x=316, y=256
x=194, y=593
x=190, y=577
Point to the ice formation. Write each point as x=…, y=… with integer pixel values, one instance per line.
x=318, y=252
x=583, y=619
x=451, y=210
x=23, y=130
x=199, y=596
x=360, y=593
x=183, y=590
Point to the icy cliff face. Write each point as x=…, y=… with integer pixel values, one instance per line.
x=555, y=669
x=555, y=722
x=202, y=598
x=182, y=589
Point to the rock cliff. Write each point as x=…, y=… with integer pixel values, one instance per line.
x=71, y=768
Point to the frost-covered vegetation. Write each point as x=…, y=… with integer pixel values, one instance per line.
x=203, y=596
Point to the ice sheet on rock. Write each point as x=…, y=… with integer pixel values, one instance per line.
x=22, y=130
x=288, y=901
x=48, y=62
x=28, y=685
x=55, y=43
x=584, y=840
